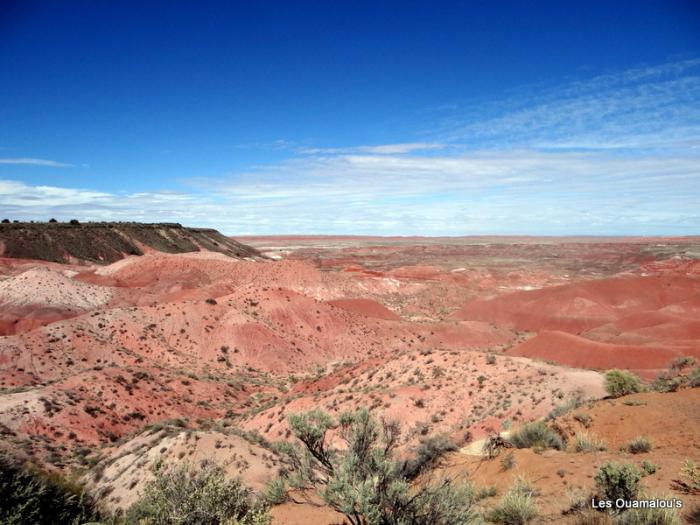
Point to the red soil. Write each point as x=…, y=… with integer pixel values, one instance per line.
x=191, y=324
x=580, y=306
x=670, y=421
x=91, y=354
x=575, y=351
x=16, y=320
x=639, y=323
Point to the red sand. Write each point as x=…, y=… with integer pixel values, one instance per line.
x=581, y=306
x=640, y=323
x=670, y=421
x=102, y=351
x=575, y=351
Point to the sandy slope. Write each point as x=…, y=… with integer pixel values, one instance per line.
x=671, y=421
x=120, y=476
x=43, y=286
x=42, y=295
x=436, y=391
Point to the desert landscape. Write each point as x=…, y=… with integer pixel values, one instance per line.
x=174, y=352
x=350, y=263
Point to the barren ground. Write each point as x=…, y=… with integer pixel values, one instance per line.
x=104, y=368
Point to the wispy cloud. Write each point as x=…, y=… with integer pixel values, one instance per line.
x=615, y=154
x=279, y=144
x=381, y=149
x=639, y=108
x=23, y=201
x=35, y=162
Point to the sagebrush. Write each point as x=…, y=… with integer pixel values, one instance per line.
x=536, y=434
x=363, y=481
x=183, y=494
x=621, y=383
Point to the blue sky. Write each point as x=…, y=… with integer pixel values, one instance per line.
x=432, y=118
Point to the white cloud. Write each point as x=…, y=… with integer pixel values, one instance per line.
x=27, y=202
x=487, y=192
x=35, y=162
x=617, y=154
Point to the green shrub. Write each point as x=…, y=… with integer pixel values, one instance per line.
x=31, y=496
x=517, y=506
x=585, y=442
x=183, y=495
x=690, y=473
x=680, y=363
x=276, y=491
x=617, y=480
x=638, y=445
x=648, y=467
x=362, y=480
x=665, y=382
x=572, y=403
x=536, y=434
x=488, y=491
x=629, y=517
x=621, y=383
x=693, y=378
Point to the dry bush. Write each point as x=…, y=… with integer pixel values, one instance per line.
x=517, y=507
x=690, y=477
x=639, y=445
x=507, y=461
x=649, y=517
x=692, y=516
x=585, y=442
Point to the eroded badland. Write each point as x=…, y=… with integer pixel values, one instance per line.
x=199, y=347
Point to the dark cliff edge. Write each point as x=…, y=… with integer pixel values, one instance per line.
x=107, y=242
